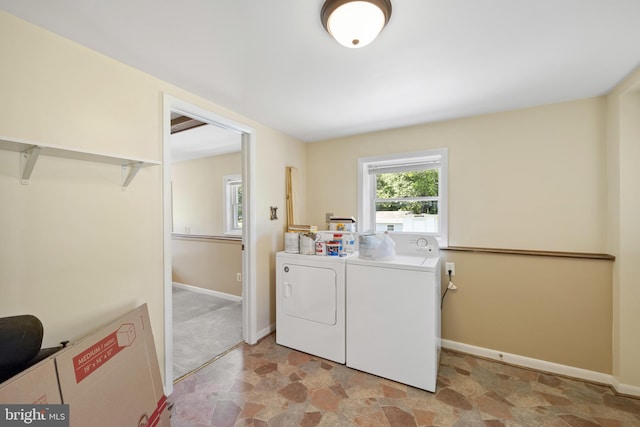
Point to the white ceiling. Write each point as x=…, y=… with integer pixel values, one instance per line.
x=437, y=59
x=203, y=141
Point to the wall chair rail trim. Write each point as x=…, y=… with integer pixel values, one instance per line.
x=556, y=254
x=237, y=239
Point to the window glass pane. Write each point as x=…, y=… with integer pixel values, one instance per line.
x=407, y=184
x=415, y=216
x=237, y=205
x=411, y=215
x=238, y=217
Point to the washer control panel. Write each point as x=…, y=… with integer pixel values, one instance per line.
x=415, y=244
x=422, y=242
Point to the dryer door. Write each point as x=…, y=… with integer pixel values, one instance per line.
x=309, y=293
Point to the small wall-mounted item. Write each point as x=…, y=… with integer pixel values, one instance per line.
x=274, y=213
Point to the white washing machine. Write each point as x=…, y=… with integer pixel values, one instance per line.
x=310, y=304
x=393, y=313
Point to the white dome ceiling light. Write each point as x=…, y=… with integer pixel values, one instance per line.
x=355, y=23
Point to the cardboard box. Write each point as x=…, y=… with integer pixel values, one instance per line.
x=36, y=385
x=112, y=378
x=342, y=224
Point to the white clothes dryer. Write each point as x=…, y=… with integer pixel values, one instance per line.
x=393, y=312
x=310, y=304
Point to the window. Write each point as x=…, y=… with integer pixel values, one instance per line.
x=233, y=204
x=404, y=193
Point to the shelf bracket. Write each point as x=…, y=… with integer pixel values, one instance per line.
x=129, y=172
x=28, y=160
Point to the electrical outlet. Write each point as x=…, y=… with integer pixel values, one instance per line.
x=328, y=216
x=450, y=267
x=239, y=277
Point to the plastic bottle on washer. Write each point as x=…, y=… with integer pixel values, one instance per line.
x=348, y=242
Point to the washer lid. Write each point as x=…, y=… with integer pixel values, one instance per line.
x=404, y=262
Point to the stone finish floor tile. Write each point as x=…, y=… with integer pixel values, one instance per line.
x=267, y=385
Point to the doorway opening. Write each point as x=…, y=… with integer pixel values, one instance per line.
x=201, y=225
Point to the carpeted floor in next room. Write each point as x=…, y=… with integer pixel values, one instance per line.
x=204, y=326
x=270, y=385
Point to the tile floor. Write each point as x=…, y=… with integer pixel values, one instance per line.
x=270, y=385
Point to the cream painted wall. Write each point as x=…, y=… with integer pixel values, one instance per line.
x=623, y=228
x=198, y=195
x=529, y=179
x=207, y=264
x=271, y=172
x=76, y=250
x=198, y=204
x=79, y=250
x=553, y=309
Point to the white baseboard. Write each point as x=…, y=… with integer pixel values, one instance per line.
x=626, y=389
x=266, y=331
x=543, y=365
x=207, y=292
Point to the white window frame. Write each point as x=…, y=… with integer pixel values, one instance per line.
x=397, y=163
x=229, y=217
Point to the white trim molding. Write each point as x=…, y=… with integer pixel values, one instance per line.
x=204, y=291
x=266, y=331
x=544, y=366
x=625, y=389
x=249, y=255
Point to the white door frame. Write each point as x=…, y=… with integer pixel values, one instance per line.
x=249, y=316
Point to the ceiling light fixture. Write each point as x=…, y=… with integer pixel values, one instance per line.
x=355, y=23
